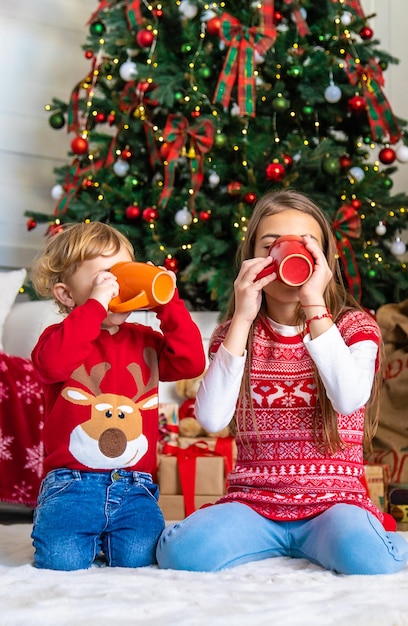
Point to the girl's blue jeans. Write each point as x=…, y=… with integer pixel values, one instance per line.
x=345, y=539
x=79, y=514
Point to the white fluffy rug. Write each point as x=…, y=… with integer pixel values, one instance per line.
x=280, y=591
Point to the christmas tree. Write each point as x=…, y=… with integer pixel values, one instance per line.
x=191, y=110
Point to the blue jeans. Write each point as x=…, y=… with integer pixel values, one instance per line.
x=345, y=539
x=79, y=514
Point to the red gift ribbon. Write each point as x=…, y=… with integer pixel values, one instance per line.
x=186, y=462
x=175, y=134
x=239, y=63
x=346, y=224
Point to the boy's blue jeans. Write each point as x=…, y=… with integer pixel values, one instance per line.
x=79, y=514
x=345, y=538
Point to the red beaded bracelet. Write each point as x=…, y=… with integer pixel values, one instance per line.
x=318, y=317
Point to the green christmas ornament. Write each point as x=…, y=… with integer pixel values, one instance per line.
x=280, y=104
x=204, y=72
x=57, y=120
x=331, y=165
x=367, y=140
x=220, y=140
x=372, y=273
x=296, y=71
x=308, y=110
x=97, y=28
x=178, y=95
x=388, y=183
x=186, y=48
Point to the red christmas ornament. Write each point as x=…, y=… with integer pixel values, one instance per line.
x=234, y=188
x=133, y=212
x=164, y=150
x=275, y=172
x=366, y=33
x=205, y=216
x=111, y=118
x=287, y=159
x=87, y=183
x=31, y=223
x=277, y=17
x=356, y=204
x=345, y=162
x=150, y=214
x=357, y=104
x=144, y=38
x=79, y=145
x=158, y=13
x=214, y=26
x=195, y=114
x=126, y=154
x=142, y=87
x=171, y=264
x=54, y=229
x=387, y=156
x=88, y=54
x=100, y=117
x=250, y=197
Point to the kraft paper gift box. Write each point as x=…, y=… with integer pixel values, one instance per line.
x=376, y=479
x=168, y=424
x=173, y=506
x=209, y=479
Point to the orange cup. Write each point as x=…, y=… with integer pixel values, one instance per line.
x=141, y=286
x=292, y=262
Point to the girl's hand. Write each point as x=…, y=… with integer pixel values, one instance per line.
x=312, y=292
x=105, y=287
x=248, y=290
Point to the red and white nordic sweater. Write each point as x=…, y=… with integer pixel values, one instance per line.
x=280, y=471
x=101, y=389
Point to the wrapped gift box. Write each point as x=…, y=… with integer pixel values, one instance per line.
x=377, y=482
x=173, y=506
x=168, y=424
x=210, y=478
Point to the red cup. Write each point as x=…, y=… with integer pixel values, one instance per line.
x=292, y=262
x=141, y=286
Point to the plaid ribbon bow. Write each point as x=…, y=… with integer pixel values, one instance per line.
x=176, y=133
x=133, y=12
x=354, y=5
x=301, y=24
x=381, y=118
x=239, y=63
x=346, y=224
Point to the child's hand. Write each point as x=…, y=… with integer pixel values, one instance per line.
x=248, y=290
x=312, y=291
x=105, y=287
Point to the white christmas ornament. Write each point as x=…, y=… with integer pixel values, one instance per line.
x=235, y=110
x=402, y=154
x=120, y=168
x=207, y=15
x=332, y=93
x=128, y=70
x=183, y=217
x=346, y=18
x=188, y=9
x=57, y=192
x=381, y=229
x=259, y=59
x=398, y=247
x=357, y=173
x=303, y=13
x=213, y=179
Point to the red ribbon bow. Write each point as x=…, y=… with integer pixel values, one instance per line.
x=346, y=224
x=243, y=41
x=176, y=133
x=133, y=12
x=186, y=461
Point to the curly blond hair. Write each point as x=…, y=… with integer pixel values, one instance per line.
x=64, y=252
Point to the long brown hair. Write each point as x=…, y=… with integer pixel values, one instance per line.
x=338, y=301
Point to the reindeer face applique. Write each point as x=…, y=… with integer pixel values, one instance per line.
x=113, y=436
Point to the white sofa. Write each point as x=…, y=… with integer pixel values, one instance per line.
x=28, y=318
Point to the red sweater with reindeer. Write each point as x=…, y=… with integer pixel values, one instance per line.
x=101, y=389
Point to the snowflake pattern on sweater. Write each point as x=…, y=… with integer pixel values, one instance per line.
x=280, y=471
